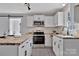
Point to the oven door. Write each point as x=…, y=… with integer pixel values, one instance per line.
x=38, y=39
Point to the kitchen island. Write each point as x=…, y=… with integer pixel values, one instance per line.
x=16, y=46
x=65, y=45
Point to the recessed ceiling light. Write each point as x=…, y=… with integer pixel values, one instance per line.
x=63, y=5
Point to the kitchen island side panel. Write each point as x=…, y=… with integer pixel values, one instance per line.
x=8, y=50
x=71, y=47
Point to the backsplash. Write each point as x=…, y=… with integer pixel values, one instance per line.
x=46, y=30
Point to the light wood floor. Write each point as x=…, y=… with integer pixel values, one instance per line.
x=42, y=52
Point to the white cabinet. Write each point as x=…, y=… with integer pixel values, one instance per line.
x=29, y=46
x=47, y=40
x=55, y=46
x=58, y=46
x=38, y=17
x=49, y=21
x=58, y=19
x=24, y=49
x=30, y=21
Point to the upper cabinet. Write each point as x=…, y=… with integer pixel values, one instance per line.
x=30, y=21
x=39, y=17
x=58, y=19
x=49, y=21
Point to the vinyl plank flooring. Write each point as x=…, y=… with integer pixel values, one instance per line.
x=42, y=52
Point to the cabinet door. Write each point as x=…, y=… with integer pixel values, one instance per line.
x=21, y=50
x=29, y=46
x=55, y=23
x=61, y=47
x=56, y=46
x=39, y=17
x=60, y=19
x=52, y=42
x=49, y=21
x=30, y=21
x=47, y=41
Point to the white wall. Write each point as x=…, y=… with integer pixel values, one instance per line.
x=46, y=30
x=76, y=14
x=13, y=8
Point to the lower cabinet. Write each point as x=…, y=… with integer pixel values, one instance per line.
x=24, y=49
x=58, y=46
x=65, y=46
x=29, y=47
x=47, y=40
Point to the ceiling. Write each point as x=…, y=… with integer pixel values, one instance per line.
x=36, y=8
x=45, y=8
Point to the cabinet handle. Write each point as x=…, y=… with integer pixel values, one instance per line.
x=22, y=47
x=25, y=53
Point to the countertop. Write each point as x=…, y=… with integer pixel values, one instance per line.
x=9, y=40
x=67, y=37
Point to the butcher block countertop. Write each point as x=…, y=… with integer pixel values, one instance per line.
x=10, y=40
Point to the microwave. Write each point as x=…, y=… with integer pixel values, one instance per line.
x=38, y=23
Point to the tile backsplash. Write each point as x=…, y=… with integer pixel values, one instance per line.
x=45, y=29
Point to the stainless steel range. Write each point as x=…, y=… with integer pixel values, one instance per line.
x=38, y=38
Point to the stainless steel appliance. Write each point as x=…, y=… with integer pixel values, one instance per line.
x=38, y=38
x=38, y=23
